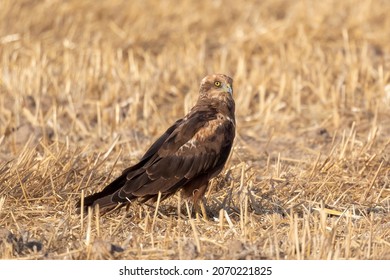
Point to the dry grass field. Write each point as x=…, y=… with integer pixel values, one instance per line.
x=87, y=86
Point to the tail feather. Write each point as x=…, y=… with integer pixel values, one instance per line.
x=103, y=198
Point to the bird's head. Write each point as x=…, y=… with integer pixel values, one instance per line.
x=217, y=86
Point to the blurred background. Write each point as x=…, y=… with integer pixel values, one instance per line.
x=295, y=63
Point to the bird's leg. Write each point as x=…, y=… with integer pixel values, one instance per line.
x=202, y=205
x=198, y=198
x=200, y=209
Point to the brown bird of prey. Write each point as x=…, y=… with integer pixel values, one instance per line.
x=190, y=152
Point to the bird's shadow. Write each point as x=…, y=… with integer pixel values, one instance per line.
x=229, y=203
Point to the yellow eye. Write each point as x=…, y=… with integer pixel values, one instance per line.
x=217, y=83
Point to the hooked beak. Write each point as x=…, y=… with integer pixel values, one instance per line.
x=227, y=88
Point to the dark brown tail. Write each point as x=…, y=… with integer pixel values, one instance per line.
x=103, y=198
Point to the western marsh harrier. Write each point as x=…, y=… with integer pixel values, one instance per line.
x=190, y=153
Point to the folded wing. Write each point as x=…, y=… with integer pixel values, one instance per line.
x=190, y=152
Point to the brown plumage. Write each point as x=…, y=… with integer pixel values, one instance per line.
x=191, y=152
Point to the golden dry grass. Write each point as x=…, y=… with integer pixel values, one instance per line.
x=86, y=86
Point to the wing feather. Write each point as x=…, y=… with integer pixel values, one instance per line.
x=186, y=152
x=165, y=161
